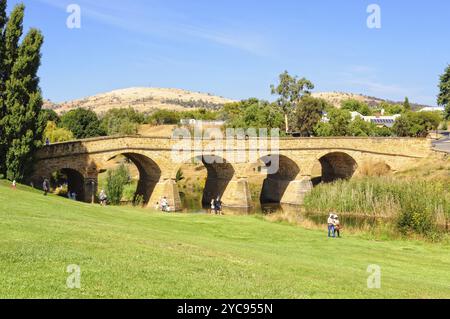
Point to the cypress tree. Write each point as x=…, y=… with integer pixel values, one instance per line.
x=23, y=105
x=3, y=21
x=21, y=99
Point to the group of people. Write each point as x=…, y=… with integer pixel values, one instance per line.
x=334, y=226
x=216, y=206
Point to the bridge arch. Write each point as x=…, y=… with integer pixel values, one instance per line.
x=219, y=173
x=68, y=182
x=337, y=165
x=281, y=171
x=149, y=173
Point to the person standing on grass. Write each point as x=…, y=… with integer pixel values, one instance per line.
x=213, y=206
x=13, y=185
x=337, y=226
x=46, y=186
x=330, y=225
x=102, y=197
x=218, y=206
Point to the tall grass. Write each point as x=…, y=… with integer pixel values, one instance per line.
x=415, y=205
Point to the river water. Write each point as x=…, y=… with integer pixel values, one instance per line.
x=296, y=212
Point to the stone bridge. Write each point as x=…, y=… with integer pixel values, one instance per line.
x=288, y=164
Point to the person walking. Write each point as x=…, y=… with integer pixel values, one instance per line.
x=330, y=225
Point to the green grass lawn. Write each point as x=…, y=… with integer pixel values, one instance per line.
x=134, y=253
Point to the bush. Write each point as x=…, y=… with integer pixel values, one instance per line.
x=115, y=183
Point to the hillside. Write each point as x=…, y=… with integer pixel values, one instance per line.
x=335, y=99
x=133, y=253
x=143, y=100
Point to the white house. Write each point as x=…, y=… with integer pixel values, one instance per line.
x=433, y=109
x=387, y=121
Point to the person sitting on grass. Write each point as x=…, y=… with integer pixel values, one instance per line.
x=164, y=204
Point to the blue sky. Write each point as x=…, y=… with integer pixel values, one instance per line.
x=237, y=48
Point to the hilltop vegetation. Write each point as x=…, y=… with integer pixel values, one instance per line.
x=135, y=253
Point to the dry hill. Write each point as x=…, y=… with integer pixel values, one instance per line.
x=143, y=100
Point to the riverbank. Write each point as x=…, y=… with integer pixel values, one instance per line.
x=126, y=252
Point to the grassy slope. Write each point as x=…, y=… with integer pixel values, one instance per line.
x=132, y=253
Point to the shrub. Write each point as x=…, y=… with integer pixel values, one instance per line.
x=115, y=183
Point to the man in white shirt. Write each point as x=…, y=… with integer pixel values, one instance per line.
x=331, y=226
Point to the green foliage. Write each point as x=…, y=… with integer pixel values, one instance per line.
x=308, y=114
x=115, y=183
x=123, y=121
x=46, y=116
x=444, y=91
x=20, y=96
x=56, y=134
x=253, y=113
x=417, y=124
x=179, y=176
x=359, y=127
x=391, y=109
x=414, y=206
x=290, y=89
x=339, y=121
x=353, y=105
x=164, y=117
x=407, y=105
x=82, y=123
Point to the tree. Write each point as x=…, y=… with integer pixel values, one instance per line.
x=353, y=105
x=444, y=92
x=406, y=105
x=3, y=148
x=392, y=109
x=253, y=113
x=82, y=123
x=46, y=115
x=309, y=112
x=121, y=121
x=360, y=127
x=290, y=90
x=339, y=121
x=20, y=100
x=417, y=124
x=115, y=183
x=56, y=134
